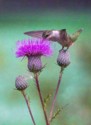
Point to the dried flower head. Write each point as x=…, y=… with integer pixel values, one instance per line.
x=63, y=59
x=39, y=47
x=34, y=49
x=21, y=83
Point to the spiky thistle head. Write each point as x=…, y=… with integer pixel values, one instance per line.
x=39, y=47
x=34, y=49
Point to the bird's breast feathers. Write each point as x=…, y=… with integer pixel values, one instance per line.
x=56, y=33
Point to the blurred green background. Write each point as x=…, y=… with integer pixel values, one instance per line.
x=75, y=90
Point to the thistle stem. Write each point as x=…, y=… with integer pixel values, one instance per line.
x=55, y=95
x=27, y=102
x=40, y=96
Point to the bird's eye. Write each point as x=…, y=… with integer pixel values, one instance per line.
x=45, y=35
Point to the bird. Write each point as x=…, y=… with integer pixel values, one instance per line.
x=60, y=36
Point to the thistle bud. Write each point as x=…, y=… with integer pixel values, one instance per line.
x=63, y=59
x=20, y=83
x=34, y=64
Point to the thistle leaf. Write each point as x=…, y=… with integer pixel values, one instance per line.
x=56, y=114
x=46, y=99
x=58, y=111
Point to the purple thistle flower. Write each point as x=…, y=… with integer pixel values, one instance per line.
x=33, y=47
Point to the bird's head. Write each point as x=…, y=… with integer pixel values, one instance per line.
x=46, y=34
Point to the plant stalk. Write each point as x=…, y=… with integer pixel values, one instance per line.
x=40, y=96
x=27, y=102
x=55, y=95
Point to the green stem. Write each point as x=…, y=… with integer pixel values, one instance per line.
x=40, y=96
x=55, y=95
x=27, y=102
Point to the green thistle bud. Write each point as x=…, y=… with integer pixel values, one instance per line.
x=34, y=64
x=63, y=59
x=20, y=83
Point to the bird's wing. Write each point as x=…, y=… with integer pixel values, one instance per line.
x=63, y=35
x=37, y=34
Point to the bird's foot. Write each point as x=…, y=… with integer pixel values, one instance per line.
x=64, y=48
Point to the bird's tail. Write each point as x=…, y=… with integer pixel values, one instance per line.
x=76, y=35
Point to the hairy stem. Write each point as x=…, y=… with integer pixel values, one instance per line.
x=55, y=95
x=40, y=96
x=27, y=102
